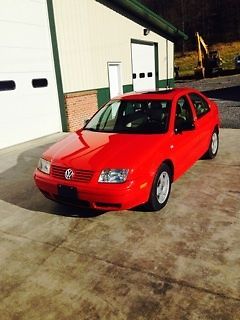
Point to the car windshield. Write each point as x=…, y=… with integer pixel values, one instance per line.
x=131, y=117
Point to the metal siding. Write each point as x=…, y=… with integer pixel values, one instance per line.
x=90, y=35
x=170, y=60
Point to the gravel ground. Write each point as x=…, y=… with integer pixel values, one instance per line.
x=225, y=91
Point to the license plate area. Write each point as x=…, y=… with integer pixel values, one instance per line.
x=67, y=192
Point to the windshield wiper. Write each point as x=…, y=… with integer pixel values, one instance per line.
x=90, y=129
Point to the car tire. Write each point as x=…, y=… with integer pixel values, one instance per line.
x=213, y=146
x=161, y=189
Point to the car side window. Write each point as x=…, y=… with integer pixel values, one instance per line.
x=184, y=115
x=201, y=106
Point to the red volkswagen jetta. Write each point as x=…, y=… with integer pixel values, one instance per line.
x=131, y=151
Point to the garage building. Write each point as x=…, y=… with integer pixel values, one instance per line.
x=62, y=59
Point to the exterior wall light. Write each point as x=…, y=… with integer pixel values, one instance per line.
x=146, y=31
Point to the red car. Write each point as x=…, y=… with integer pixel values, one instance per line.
x=131, y=151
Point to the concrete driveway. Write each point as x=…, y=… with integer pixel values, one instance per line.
x=183, y=263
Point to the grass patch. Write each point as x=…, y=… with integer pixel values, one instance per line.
x=188, y=61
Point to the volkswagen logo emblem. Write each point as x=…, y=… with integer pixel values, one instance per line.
x=69, y=174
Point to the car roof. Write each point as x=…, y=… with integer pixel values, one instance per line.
x=166, y=94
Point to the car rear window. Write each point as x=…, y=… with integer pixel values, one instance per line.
x=200, y=104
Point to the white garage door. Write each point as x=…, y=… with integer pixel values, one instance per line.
x=29, y=105
x=143, y=67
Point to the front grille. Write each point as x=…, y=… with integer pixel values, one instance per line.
x=79, y=175
x=74, y=202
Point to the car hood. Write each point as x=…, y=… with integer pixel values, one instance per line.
x=97, y=150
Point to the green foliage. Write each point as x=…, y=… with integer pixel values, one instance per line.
x=188, y=61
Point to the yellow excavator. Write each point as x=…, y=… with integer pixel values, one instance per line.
x=209, y=61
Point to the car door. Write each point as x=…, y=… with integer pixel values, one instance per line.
x=184, y=149
x=203, y=124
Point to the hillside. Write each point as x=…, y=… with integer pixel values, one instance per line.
x=188, y=61
x=218, y=21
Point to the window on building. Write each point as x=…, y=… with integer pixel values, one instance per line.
x=39, y=83
x=6, y=85
x=142, y=75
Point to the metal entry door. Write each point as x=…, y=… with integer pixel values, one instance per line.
x=115, y=81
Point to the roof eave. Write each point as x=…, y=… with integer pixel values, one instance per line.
x=145, y=17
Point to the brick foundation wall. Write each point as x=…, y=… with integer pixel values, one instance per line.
x=79, y=107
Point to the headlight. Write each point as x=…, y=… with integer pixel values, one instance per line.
x=113, y=175
x=44, y=166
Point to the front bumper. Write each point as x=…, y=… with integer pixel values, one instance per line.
x=101, y=196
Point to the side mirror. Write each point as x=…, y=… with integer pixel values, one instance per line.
x=184, y=126
x=178, y=130
x=190, y=125
x=86, y=121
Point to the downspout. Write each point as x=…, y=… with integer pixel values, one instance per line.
x=167, y=84
x=57, y=65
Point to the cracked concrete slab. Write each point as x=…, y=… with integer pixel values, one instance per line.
x=183, y=262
